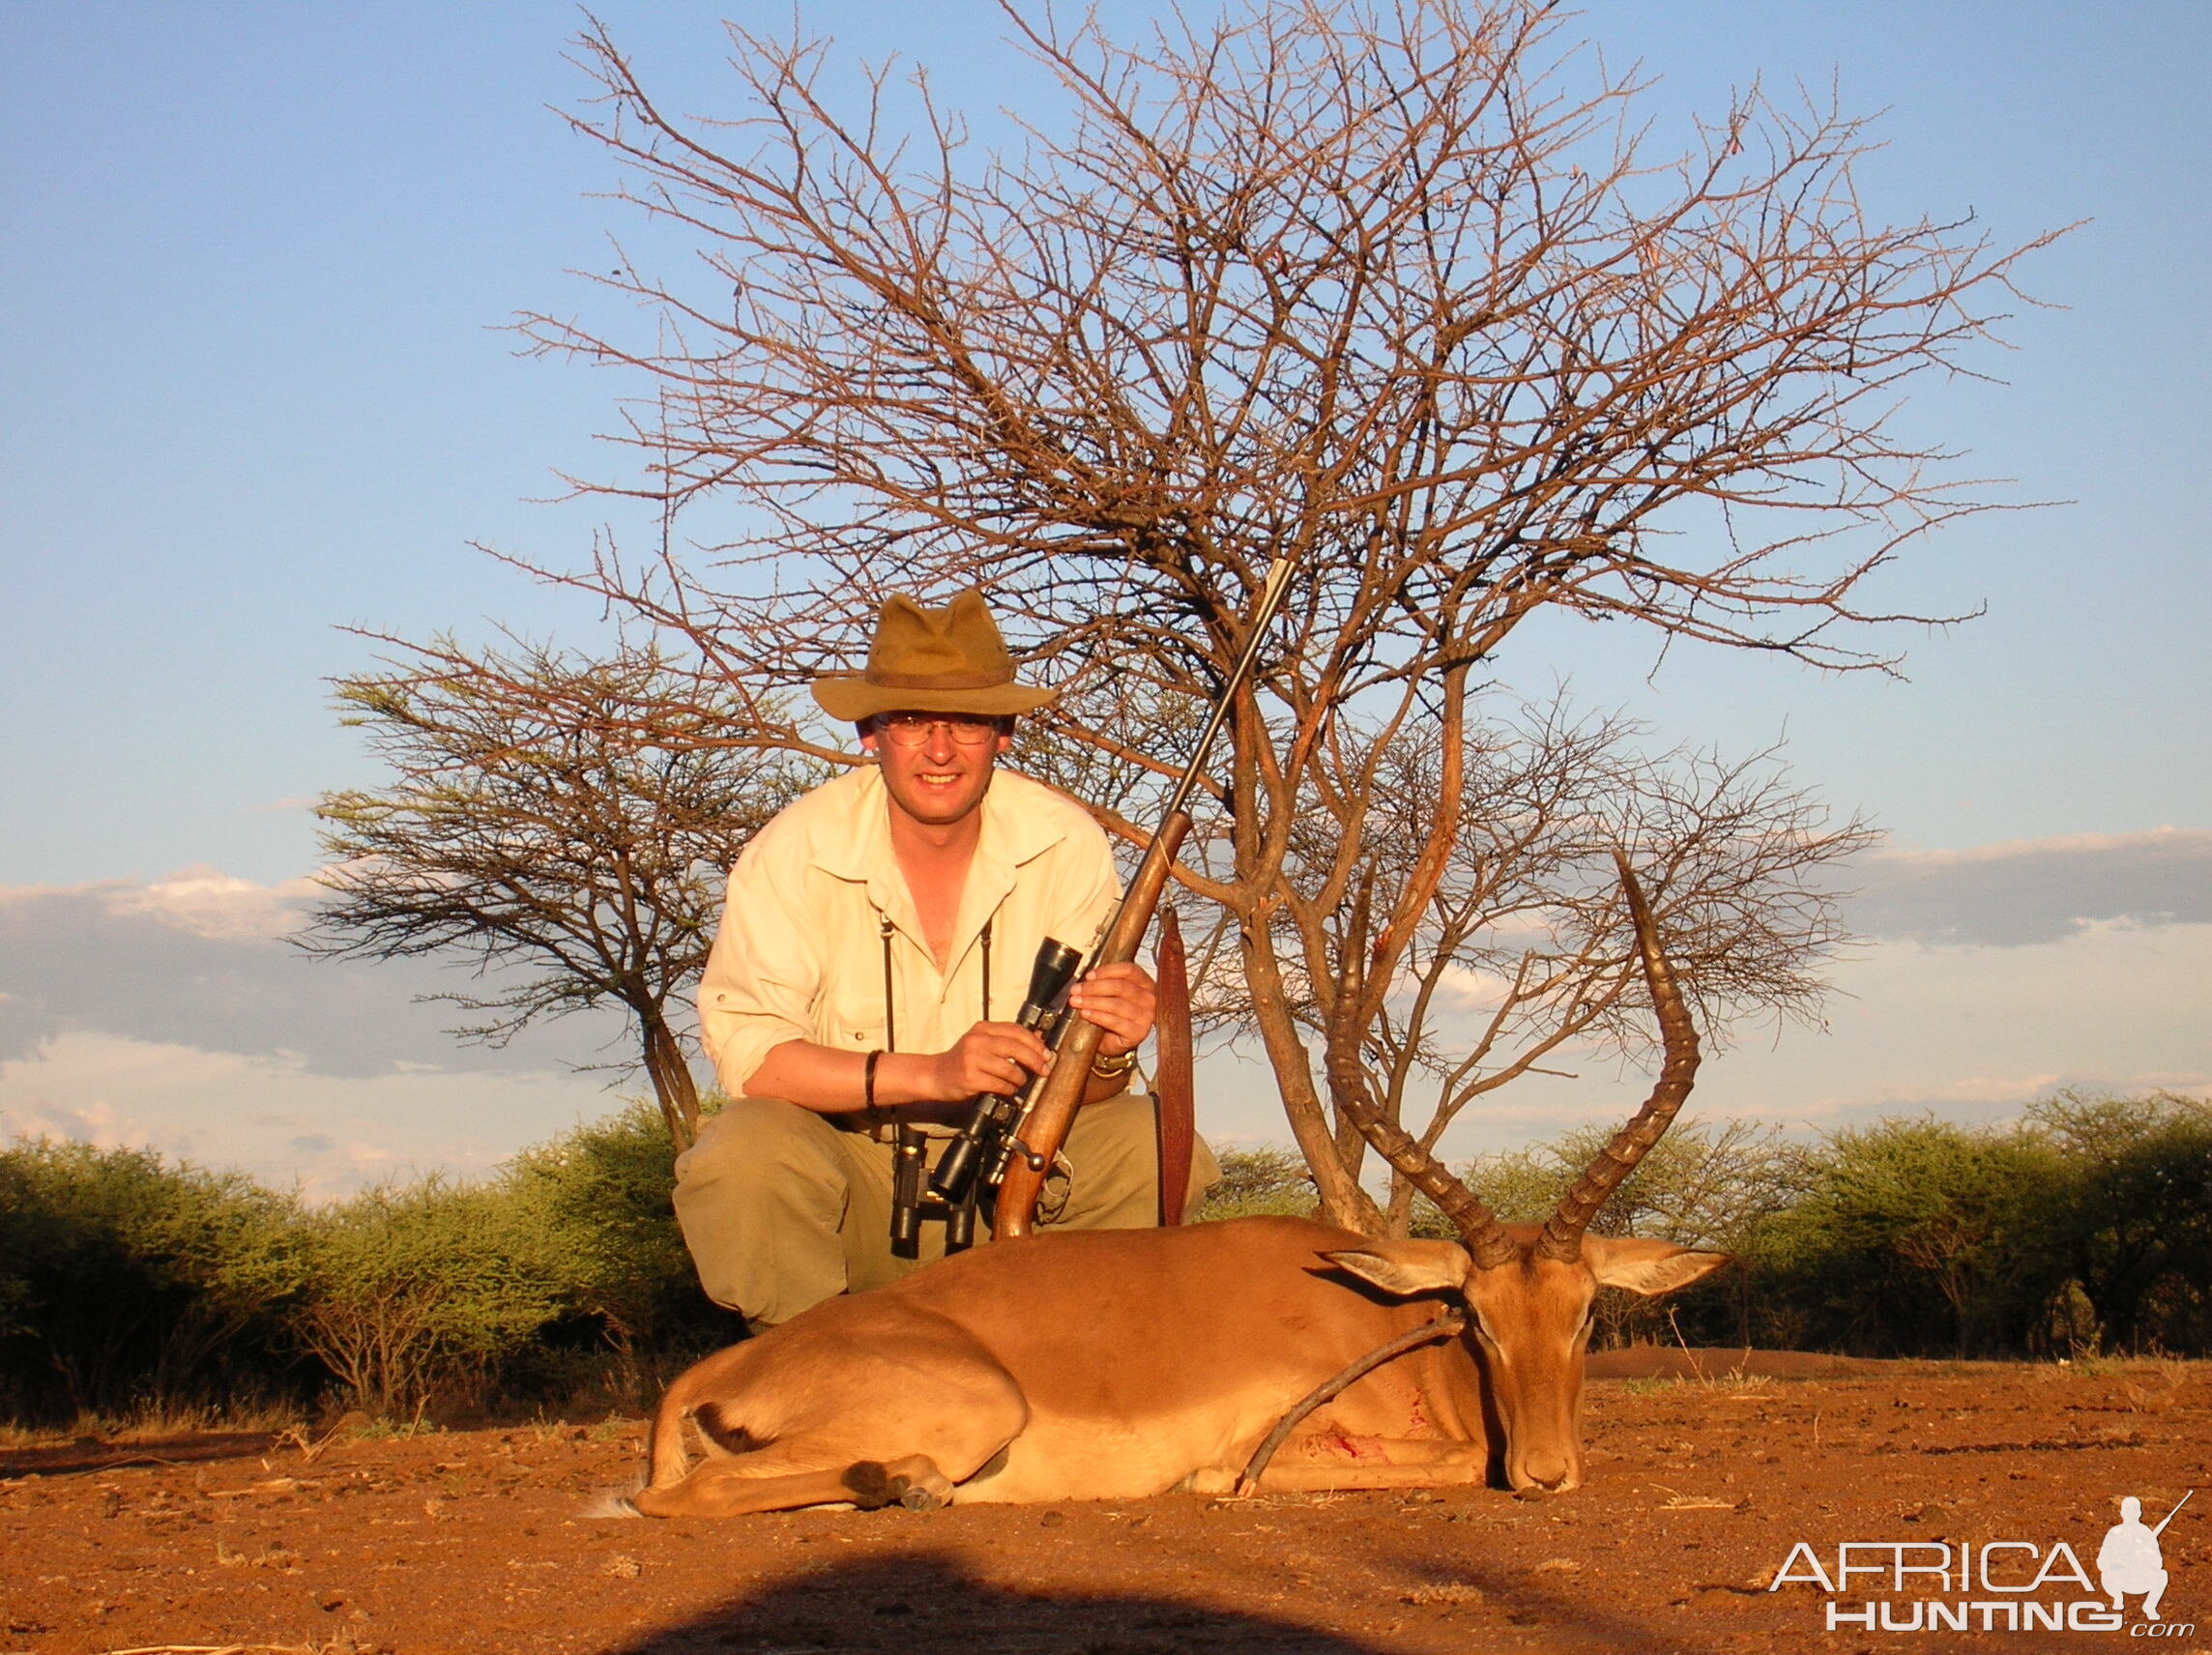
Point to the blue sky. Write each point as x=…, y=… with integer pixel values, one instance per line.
x=253, y=390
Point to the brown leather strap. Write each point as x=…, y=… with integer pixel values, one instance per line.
x=1172, y=1099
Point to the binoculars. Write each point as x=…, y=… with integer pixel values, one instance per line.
x=977, y=1157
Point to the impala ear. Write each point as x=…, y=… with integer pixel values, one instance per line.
x=1408, y=1267
x=1647, y=1267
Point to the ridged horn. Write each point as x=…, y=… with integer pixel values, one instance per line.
x=1475, y=1223
x=1562, y=1236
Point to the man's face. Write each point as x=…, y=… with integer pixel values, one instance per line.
x=939, y=780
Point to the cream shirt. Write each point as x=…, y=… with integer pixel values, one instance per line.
x=799, y=956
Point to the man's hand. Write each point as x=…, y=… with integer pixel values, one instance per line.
x=1121, y=1000
x=991, y=1057
x=999, y=1057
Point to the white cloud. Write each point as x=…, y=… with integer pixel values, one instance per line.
x=163, y=1015
x=195, y=960
x=206, y=901
x=2112, y=1007
x=169, y=1015
x=1970, y=1032
x=2036, y=891
x=276, y=1119
x=93, y=1122
x=198, y=900
x=1465, y=989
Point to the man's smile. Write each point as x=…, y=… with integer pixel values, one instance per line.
x=937, y=782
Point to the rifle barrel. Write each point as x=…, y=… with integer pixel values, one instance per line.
x=1271, y=589
x=1044, y=1128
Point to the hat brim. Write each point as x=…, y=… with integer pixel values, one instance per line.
x=849, y=698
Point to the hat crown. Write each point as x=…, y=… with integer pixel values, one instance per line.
x=932, y=660
x=957, y=646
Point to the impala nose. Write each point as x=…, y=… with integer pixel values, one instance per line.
x=1550, y=1472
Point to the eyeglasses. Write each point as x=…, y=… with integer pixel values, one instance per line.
x=912, y=729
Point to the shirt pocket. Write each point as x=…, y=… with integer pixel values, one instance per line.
x=851, y=1019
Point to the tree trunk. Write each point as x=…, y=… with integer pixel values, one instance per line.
x=672, y=1084
x=1341, y=1201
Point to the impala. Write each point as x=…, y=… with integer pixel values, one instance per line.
x=1116, y=1364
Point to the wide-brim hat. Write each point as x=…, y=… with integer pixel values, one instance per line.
x=932, y=660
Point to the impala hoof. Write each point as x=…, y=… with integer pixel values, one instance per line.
x=916, y=1485
x=873, y=1487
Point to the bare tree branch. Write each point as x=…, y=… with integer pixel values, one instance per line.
x=1405, y=290
x=531, y=829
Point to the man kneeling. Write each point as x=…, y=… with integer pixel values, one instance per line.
x=876, y=940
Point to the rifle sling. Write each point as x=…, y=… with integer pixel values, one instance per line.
x=1173, y=1101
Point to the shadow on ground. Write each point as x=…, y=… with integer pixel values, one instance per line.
x=920, y=1603
x=87, y=1454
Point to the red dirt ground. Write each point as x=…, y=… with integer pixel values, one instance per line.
x=476, y=1542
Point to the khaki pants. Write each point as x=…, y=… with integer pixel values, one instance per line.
x=781, y=1209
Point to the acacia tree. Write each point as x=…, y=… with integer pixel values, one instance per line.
x=1520, y=956
x=1399, y=290
x=543, y=837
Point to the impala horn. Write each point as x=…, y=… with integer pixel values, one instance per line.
x=1476, y=1224
x=1562, y=1236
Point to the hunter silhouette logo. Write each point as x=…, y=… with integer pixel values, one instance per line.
x=2130, y=1560
x=1991, y=1585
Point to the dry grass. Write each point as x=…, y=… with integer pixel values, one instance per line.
x=1446, y=1592
x=154, y=1422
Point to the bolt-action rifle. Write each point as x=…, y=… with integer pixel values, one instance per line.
x=1043, y=1126
x=983, y=1147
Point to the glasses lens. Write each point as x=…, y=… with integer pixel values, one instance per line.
x=912, y=729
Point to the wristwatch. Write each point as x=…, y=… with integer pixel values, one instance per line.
x=1114, y=1068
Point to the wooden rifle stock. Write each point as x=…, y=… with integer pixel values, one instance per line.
x=1044, y=1128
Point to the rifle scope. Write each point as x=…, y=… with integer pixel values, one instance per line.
x=1050, y=976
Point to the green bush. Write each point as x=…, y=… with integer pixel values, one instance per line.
x=1261, y=1181
x=129, y=1284
x=2134, y=1224
x=126, y=1284
x=2086, y=1224
x=1922, y=1237
x=603, y=1194
x=426, y=1293
x=1700, y=1185
x=1708, y=1186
